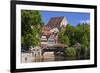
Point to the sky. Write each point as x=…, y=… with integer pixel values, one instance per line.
x=73, y=18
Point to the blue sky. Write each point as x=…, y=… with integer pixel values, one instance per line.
x=73, y=18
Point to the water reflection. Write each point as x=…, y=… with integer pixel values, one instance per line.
x=47, y=57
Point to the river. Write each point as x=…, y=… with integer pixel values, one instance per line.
x=47, y=57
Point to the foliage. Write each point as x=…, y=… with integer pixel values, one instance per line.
x=85, y=52
x=83, y=34
x=70, y=52
x=74, y=34
x=70, y=32
x=77, y=34
x=30, y=27
x=84, y=41
x=63, y=38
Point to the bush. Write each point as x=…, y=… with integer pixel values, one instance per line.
x=85, y=52
x=64, y=39
x=70, y=52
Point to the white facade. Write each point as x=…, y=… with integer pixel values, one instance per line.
x=54, y=30
x=64, y=22
x=51, y=40
x=44, y=40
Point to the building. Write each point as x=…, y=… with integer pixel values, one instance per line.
x=44, y=39
x=57, y=22
x=49, y=31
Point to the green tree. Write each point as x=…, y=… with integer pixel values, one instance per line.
x=26, y=22
x=31, y=22
x=83, y=37
x=70, y=32
x=84, y=41
x=83, y=34
x=64, y=39
x=36, y=18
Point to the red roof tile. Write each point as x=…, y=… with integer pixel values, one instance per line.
x=55, y=21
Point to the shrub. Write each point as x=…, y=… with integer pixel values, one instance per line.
x=85, y=52
x=70, y=52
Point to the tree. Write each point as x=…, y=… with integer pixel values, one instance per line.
x=31, y=23
x=30, y=18
x=84, y=41
x=83, y=34
x=26, y=22
x=64, y=39
x=70, y=32
x=36, y=18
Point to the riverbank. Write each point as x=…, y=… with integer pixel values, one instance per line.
x=28, y=58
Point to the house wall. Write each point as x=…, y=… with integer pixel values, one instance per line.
x=54, y=30
x=64, y=22
x=51, y=40
x=43, y=40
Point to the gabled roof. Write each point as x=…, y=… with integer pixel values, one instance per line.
x=55, y=21
x=45, y=28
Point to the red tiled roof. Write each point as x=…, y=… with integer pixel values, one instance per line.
x=45, y=28
x=55, y=21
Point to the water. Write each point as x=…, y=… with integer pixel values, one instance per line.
x=47, y=57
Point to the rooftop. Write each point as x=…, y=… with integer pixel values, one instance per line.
x=55, y=21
